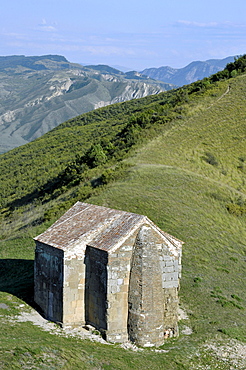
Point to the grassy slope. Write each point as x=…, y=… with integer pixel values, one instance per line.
x=218, y=129
x=174, y=185
x=37, y=162
x=186, y=196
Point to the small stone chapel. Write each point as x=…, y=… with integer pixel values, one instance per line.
x=113, y=270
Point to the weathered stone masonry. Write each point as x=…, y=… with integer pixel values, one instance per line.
x=114, y=270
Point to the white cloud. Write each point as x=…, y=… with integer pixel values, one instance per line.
x=220, y=25
x=197, y=24
x=14, y=35
x=44, y=26
x=107, y=50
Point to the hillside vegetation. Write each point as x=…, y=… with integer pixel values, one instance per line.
x=179, y=158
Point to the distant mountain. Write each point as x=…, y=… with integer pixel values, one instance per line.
x=192, y=72
x=38, y=93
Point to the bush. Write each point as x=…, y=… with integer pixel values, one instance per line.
x=84, y=192
x=210, y=159
x=95, y=156
x=236, y=209
x=114, y=174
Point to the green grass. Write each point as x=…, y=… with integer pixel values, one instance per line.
x=217, y=130
x=183, y=180
x=214, y=250
x=24, y=345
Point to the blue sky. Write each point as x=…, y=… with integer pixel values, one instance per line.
x=134, y=33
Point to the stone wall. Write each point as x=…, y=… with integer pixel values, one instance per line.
x=48, y=281
x=171, y=272
x=171, y=303
x=118, y=283
x=146, y=310
x=74, y=292
x=96, y=278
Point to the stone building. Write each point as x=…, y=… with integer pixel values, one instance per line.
x=113, y=270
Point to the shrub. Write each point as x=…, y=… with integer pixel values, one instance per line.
x=95, y=156
x=210, y=159
x=114, y=174
x=236, y=209
x=84, y=192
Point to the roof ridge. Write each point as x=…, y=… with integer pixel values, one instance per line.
x=75, y=214
x=103, y=227
x=164, y=233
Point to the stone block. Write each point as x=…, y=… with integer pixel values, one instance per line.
x=169, y=263
x=113, y=289
x=170, y=284
x=162, y=265
x=80, y=312
x=67, y=318
x=120, y=281
x=113, y=282
x=167, y=258
x=115, y=268
x=74, y=304
x=114, y=275
x=69, y=297
x=169, y=269
x=124, y=288
x=74, y=285
x=80, y=303
x=126, y=248
x=171, y=276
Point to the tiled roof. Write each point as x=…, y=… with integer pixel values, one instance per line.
x=100, y=227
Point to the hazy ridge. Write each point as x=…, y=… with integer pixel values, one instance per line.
x=194, y=71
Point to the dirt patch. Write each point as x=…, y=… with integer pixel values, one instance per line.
x=182, y=315
x=34, y=317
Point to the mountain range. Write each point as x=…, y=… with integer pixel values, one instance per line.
x=192, y=72
x=39, y=93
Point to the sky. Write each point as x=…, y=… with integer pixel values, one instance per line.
x=135, y=34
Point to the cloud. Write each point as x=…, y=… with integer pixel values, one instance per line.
x=14, y=35
x=107, y=50
x=209, y=25
x=45, y=27
x=196, y=24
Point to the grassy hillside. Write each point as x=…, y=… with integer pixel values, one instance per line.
x=178, y=158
